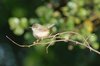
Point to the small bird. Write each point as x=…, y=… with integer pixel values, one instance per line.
x=40, y=31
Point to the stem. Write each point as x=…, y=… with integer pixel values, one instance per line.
x=85, y=46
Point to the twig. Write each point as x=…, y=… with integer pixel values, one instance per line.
x=85, y=46
x=19, y=44
x=85, y=43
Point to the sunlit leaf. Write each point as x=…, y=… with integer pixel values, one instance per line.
x=18, y=31
x=93, y=38
x=89, y=26
x=56, y=14
x=24, y=23
x=13, y=22
x=95, y=46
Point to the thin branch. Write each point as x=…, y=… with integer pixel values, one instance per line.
x=19, y=44
x=49, y=43
x=85, y=46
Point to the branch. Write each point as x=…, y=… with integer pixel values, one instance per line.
x=85, y=46
x=49, y=43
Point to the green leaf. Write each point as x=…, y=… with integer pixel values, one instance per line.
x=24, y=23
x=18, y=31
x=13, y=22
x=70, y=23
x=64, y=36
x=33, y=20
x=93, y=38
x=44, y=13
x=95, y=46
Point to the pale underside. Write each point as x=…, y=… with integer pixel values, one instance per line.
x=40, y=34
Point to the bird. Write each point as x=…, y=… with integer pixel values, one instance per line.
x=40, y=31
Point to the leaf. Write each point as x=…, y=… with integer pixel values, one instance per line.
x=95, y=45
x=89, y=26
x=24, y=22
x=13, y=22
x=18, y=31
x=70, y=23
x=64, y=36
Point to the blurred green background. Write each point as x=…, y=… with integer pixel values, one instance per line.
x=16, y=16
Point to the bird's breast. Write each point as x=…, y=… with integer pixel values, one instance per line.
x=41, y=34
